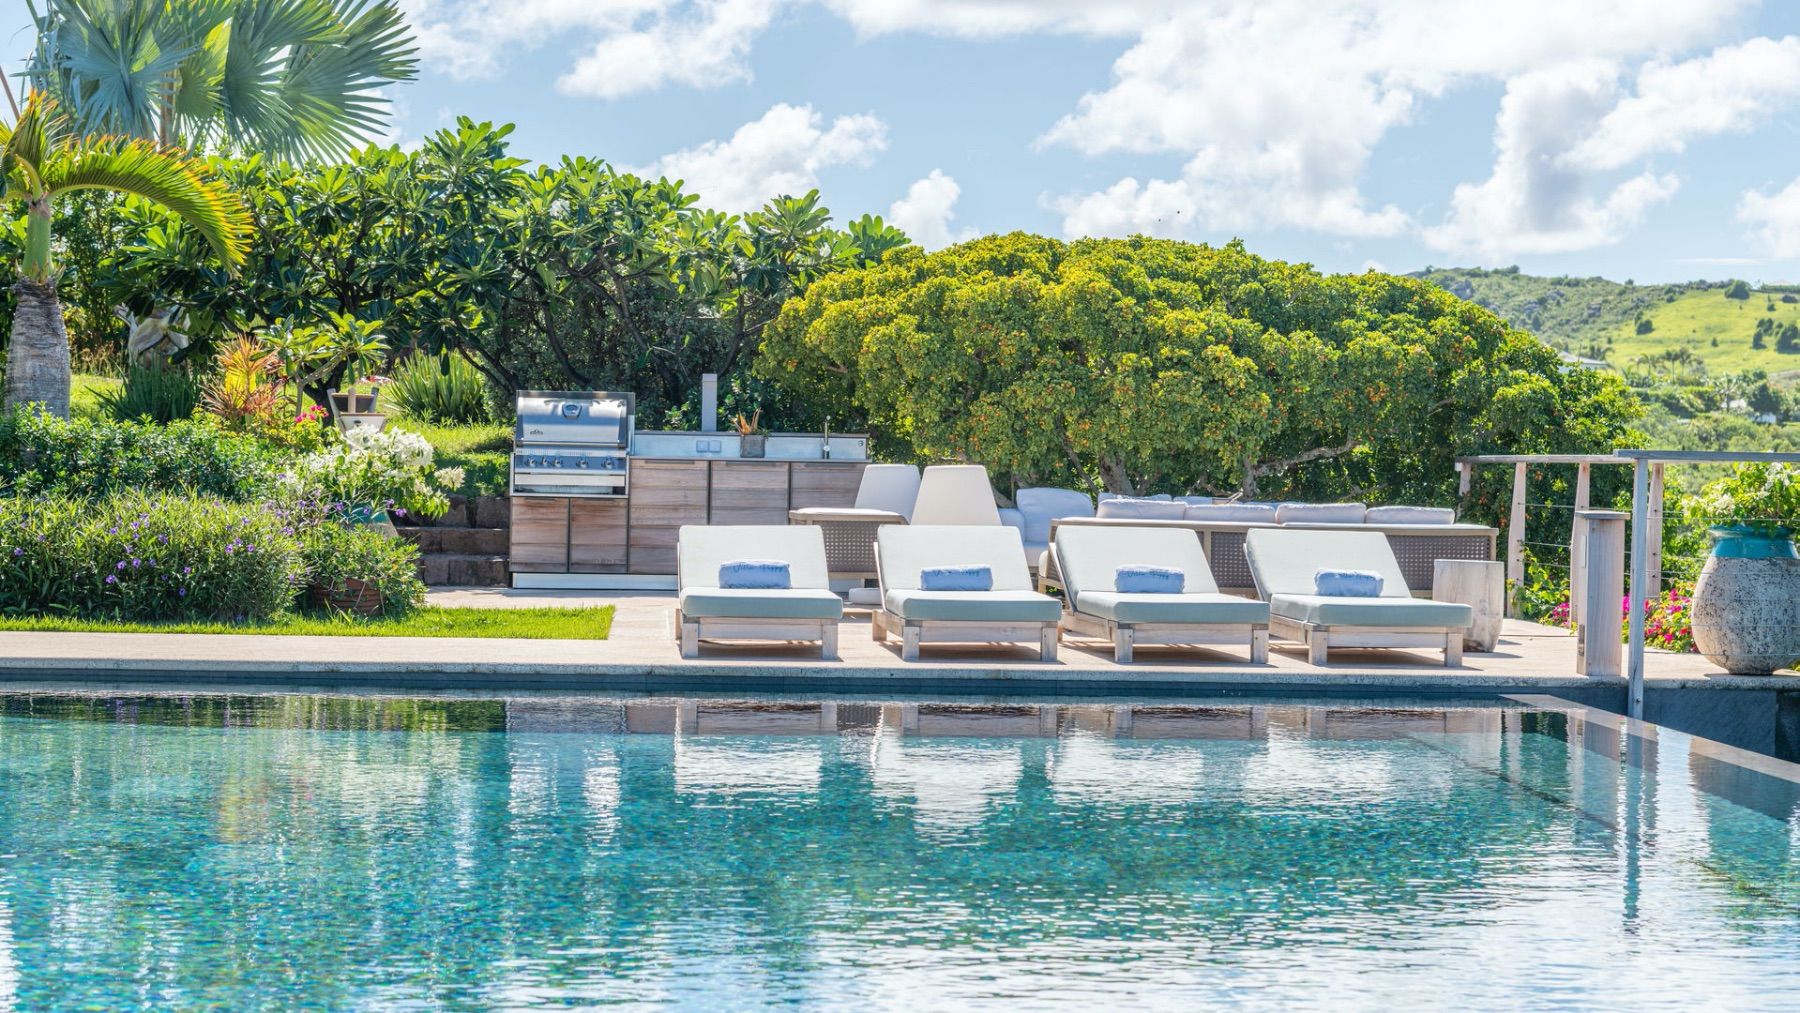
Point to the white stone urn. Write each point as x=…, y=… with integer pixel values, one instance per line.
x=1746, y=608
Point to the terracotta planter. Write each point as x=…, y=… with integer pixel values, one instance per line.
x=356, y=597
x=1747, y=600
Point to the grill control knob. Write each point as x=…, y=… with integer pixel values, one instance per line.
x=581, y=463
x=556, y=462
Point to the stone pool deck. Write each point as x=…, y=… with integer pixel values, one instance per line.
x=641, y=656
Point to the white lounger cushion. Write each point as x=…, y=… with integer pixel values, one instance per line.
x=702, y=549
x=1090, y=554
x=904, y=551
x=1409, y=515
x=1320, y=513
x=1284, y=560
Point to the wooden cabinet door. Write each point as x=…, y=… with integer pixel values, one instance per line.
x=597, y=536
x=825, y=483
x=749, y=492
x=540, y=535
x=664, y=496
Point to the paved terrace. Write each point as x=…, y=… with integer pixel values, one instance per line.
x=642, y=656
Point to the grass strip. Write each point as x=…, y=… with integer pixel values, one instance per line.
x=588, y=623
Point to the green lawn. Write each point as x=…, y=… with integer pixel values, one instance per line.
x=1696, y=318
x=593, y=623
x=85, y=391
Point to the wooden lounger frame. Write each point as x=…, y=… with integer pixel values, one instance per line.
x=1320, y=639
x=1125, y=636
x=690, y=631
x=914, y=632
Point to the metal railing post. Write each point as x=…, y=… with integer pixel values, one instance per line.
x=1640, y=548
x=1597, y=650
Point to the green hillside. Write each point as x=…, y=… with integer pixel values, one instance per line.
x=1597, y=318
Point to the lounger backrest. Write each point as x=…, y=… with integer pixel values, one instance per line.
x=1284, y=560
x=1040, y=506
x=891, y=487
x=905, y=549
x=1088, y=555
x=955, y=494
x=701, y=549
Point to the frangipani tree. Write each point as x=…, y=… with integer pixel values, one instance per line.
x=42, y=158
x=292, y=78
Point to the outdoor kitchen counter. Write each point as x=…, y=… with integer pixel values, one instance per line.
x=636, y=534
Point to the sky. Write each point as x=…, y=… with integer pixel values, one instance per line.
x=1653, y=140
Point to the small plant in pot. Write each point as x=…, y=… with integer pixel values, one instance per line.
x=753, y=440
x=1745, y=601
x=356, y=571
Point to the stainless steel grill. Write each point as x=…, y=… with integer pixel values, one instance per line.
x=572, y=443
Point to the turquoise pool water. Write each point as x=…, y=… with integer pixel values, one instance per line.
x=339, y=853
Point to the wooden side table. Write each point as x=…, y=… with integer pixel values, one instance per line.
x=1479, y=584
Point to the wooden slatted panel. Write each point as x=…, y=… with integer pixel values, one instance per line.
x=664, y=496
x=597, y=536
x=825, y=483
x=539, y=542
x=749, y=492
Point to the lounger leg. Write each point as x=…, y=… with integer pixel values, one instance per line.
x=828, y=641
x=1122, y=645
x=690, y=640
x=1259, y=647
x=1317, y=647
x=1453, y=649
x=1047, y=644
x=877, y=630
x=909, y=642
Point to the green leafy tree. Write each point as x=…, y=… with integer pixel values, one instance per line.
x=1789, y=340
x=1150, y=365
x=287, y=77
x=42, y=160
x=1738, y=289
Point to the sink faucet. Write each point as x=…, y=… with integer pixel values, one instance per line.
x=825, y=441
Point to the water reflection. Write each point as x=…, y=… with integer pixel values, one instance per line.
x=343, y=854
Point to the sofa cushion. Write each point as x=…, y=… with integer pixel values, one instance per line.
x=1320, y=513
x=741, y=603
x=975, y=606
x=1371, y=612
x=1246, y=513
x=1039, y=506
x=1143, y=509
x=1409, y=515
x=1193, y=609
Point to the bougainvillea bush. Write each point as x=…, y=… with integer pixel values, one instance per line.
x=146, y=557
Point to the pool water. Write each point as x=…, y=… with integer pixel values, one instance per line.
x=343, y=853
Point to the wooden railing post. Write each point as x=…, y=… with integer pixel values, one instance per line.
x=1515, y=542
x=1598, y=651
x=1653, y=528
x=1578, y=544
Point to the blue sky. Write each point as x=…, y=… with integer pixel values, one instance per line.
x=1646, y=139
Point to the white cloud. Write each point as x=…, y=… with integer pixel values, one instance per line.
x=986, y=18
x=1535, y=202
x=1775, y=218
x=1279, y=105
x=1733, y=88
x=467, y=39
x=928, y=208
x=703, y=51
x=779, y=153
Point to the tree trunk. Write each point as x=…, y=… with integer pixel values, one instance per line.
x=37, y=362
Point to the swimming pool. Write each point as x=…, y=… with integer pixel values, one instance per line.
x=363, y=853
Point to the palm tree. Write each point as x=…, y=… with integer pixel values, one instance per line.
x=41, y=158
x=291, y=78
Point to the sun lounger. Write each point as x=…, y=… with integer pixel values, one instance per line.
x=1010, y=612
x=1090, y=556
x=805, y=610
x=1283, y=562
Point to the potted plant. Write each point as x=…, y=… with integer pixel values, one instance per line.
x=349, y=571
x=1744, y=603
x=752, y=440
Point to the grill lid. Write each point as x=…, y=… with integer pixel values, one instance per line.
x=590, y=417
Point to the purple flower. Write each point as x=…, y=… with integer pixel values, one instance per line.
x=135, y=563
x=110, y=579
x=18, y=552
x=121, y=565
x=181, y=593
x=112, y=531
x=187, y=569
x=162, y=539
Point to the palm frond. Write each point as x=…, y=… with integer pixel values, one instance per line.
x=32, y=138
x=107, y=62
x=181, y=184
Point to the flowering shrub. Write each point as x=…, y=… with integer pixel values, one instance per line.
x=334, y=553
x=1668, y=621
x=369, y=470
x=1765, y=497
x=41, y=454
x=137, y=556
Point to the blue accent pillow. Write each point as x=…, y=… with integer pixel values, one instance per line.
x=1141, y=579
x=956, y=578
x=1347, y=583
x=755, y=575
